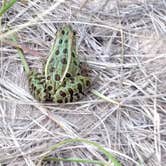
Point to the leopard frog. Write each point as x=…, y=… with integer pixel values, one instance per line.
x=61, y=80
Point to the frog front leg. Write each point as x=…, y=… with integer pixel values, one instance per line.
x=72, y=89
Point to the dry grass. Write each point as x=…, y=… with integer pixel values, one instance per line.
x=123, y=43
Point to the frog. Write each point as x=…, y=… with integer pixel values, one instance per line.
x=61, y=80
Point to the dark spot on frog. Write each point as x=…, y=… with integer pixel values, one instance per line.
x=73, y=54
x=57, y=52
x=59, y=101
x=79, y=86
x=65, y=51
x=57, y=77
x=30, y=78
x=66, y=41
x=51, y=69
x=66, y=99
x=38, y=91
x=60, y=41
x=63, y=32
x=71, y=98
x=64, y=83
x=87, y=82
x=64, y=61
x=82, y=80
x=48, y=77
x=72, y=80
x=75, y=63
x=50, y=87
x=70, y=91
x=68, y=75
x=77, y=95
x=48, y=96
x=74, y=33
x=63, y=94
x=32, y=85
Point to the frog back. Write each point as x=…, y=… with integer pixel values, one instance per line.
x=63, y=53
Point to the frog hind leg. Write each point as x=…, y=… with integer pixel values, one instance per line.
x=37, y=85
x=73, y=90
